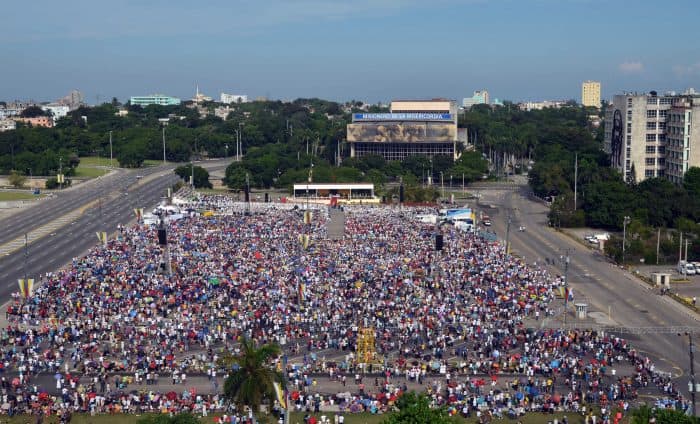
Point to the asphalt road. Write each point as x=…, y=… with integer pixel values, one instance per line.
x=614, y=296
x=65, y=201
x=114, y=207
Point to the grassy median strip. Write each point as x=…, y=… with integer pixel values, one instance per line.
x=8, y=196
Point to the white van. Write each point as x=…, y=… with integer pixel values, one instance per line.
x=686, y=268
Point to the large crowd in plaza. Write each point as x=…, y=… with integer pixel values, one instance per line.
x=463, y=322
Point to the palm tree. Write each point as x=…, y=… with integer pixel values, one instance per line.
x=252, y=378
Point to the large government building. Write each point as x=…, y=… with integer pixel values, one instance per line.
x=413, y=127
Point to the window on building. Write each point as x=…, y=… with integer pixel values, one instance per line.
x=662, y=150
x=629, y=151
x=651, y=149
x=662, y=113
x=629, y=127
x=651, y=125
x=651, y=113
x=649, y=161
x=662, y=126
x=666, y=100
x=648, y=173
x=629, y=102
x=651, y=137
x=652, y=100
x=629, y=140
x=662, y=137
x=661, y=162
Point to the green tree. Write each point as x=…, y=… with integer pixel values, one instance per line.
x=132, y=155
x=691, y=181
x=235, y=177
x=674, y=416
x=33, y=112
x=201, y=175
x=415, y=409
x=16, y=179
x=472, y=165
x=251, y=380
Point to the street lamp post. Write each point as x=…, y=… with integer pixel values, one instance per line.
x=442, y=186
x=625, y=221
x=508, y=234
x=60, y=171
x=110, y=149
x=240, y=140
x=163, y=145
x=691, y=353
x=237, y=143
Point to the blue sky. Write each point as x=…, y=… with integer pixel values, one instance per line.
x=370, y=50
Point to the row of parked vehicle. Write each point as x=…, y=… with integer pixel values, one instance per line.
x=688, y=268
x=596, y=238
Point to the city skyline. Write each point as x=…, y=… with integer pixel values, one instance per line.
x=370, y=50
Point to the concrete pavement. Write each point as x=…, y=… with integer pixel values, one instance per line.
x=613, y=295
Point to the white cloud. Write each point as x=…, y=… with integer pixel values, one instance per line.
x=631, y=67
x=687, y=70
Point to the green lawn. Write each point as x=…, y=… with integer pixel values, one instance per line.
x=151, y=162
x=6, y=196
x=89, y=172
x=93, y=161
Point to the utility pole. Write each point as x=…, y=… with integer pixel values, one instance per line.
x=240, y=140
x=237, y=142
x=442, y=185
x=192, y=163
x=508, y=234
x=26, y=256
x=686, y=249
x=658, y=242
x=110, y=149
x=691, y=352
x=163, y=145
x=247, y=185
x=60, y=171
x=575, y=180
x=463, y=190
x=680, y=248
x=625, y=221
x=566, y=285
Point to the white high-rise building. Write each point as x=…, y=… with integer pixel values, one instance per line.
x=682, y=137
x=649, y=136
x=590, y=93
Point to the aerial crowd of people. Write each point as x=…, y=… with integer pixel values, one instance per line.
x=463, y=323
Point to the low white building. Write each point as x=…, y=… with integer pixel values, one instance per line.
x=7, y=125
x=57, y=111
x=223, y=111
x=234, y=98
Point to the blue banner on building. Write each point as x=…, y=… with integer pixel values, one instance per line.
x=402, y=117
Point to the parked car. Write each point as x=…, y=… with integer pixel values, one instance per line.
x=686, y=268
